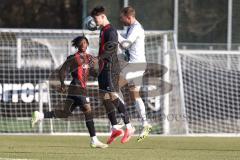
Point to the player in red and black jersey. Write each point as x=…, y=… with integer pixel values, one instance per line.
x=108, y=78
x=79, y=65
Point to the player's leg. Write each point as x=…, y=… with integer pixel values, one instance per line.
x=69, y=106
x=139, y=104
x=122, y=81
x=118, y=103
x=110, y=111
x=104, y=82
x=133, y=73
x=115, y=98
x=86, y=108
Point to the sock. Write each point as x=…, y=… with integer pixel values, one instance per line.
x=141, y=110
x=94, y=138
x=91, y=128
x=90, y=124
x=128, y=125
x=49, y=114
x=110, y=111
x=145, y=123
x=115, y=127
x=122, y=110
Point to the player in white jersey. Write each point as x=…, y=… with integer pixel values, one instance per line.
x=132, y=41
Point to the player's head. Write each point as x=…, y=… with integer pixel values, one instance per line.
x=99, y=15
x=81, y=43
x=127, y=15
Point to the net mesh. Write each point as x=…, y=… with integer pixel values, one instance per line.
x=211, y=91
x=29, y=57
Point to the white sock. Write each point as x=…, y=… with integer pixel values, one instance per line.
x=128, y=125
x=141, y=110
x=115, y=127
x=41, y=116
x=145, y=123
x=94, y=139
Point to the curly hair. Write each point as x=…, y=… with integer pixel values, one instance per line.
x=76, y=41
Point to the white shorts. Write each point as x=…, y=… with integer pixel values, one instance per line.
x=133, y=73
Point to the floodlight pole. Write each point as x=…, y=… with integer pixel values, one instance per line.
x=229, y=33
x=125, y=3
x=176, y=15
x=84, y=12
x=229, y=30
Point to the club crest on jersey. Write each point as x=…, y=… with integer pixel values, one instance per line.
x=85, y=66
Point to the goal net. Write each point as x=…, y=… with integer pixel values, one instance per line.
x=29, y=57
x=211, y=88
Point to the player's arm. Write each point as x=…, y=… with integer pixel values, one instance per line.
x=94, y=66
x=62, y=73
x=121, y=38
x=125, y=43
x=93, y=61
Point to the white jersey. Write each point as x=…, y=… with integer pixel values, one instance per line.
x=135, y=35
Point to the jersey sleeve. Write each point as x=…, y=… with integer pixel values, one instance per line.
x=93, y=66
x=121, y=38
x=136, y=31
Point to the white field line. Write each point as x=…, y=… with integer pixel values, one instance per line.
x=14, y=159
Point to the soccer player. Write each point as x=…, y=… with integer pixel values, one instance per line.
x=133, y=43
x=109, y=75
x=79, y=65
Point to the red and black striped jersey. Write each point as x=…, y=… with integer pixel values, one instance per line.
x=79, y=66
x=108, y=42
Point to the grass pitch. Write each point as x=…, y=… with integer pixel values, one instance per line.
x=152, y=148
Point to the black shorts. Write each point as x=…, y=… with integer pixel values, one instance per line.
x=77, y=101
x=108, y=81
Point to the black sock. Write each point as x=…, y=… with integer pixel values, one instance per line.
x=110, y=111
x=90, y=124
x=49, y=114
x=121, y=109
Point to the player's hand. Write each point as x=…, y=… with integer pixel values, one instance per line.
x=63, y=88
x=125, y=44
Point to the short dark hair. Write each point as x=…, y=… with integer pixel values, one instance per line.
x=128, y=11
x=97, y=11
x=77, y=40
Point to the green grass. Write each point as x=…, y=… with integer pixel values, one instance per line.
x=152, y=148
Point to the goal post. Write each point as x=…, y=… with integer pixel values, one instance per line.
x=181, y=89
